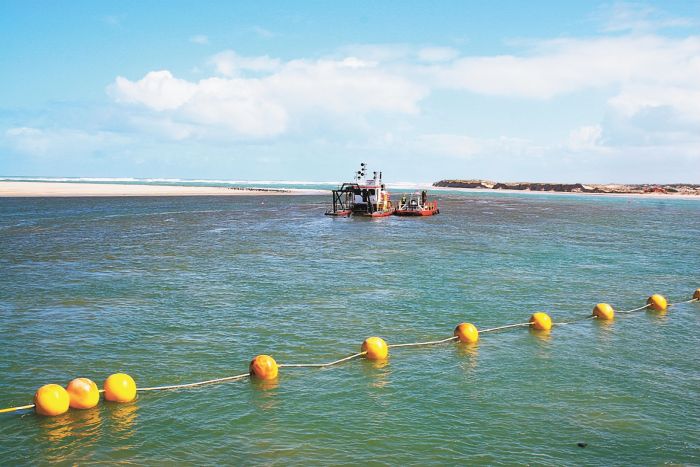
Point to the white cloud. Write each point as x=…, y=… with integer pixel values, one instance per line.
x=449, y=145
x=461, y=146
x=437, y=54
x=229, y=63
x=651, y=85
x=60, y=142
x=378, y=52
x=587, y=137
x=28, y=140
x=165, y=127
x=636, y=99
x=263, y=33
x=240, y=105
x=263, y=106
x=563, y=66
x=158, y=90
x=637, y=17
x=200, y=39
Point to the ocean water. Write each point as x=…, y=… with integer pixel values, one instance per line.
x=178, y=290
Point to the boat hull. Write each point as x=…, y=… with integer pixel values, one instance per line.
x=376, y=213
x=416, y=212
x=339, y=213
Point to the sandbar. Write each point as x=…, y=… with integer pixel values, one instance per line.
x=67, y=189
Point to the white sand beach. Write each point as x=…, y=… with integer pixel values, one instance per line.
x=54, y=189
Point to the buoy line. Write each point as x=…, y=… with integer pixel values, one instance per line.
x=82, y=393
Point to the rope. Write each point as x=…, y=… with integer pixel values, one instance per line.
x=320, y=365
x=350, y=357
x=418, y=344
x=191, y=385
x=634, y=309
x=687, y=301
x=578, y=320
x=15, y=409
x=504, y=327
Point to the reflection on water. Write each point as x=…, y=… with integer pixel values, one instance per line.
x=76, y=428
x=543, y=336
x=264, y=384
x=605, y=329
x=265, y=396
x=377, y=371
x=123, y=419
x=464, y=349
x=468, y=355
x=86, y=424
x=661, y=314
x=56, y=429
x=543, y=339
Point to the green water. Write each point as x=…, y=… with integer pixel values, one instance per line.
x=177, y=290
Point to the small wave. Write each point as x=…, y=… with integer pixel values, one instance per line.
x=162, y=213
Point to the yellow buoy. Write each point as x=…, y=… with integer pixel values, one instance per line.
x=120, y=387
x=376, y=348
x=264, y=367
x=541, y=321
x=696, y=295
x=603, y=311
x=83, y=393
x=657, y=302
x=51, y=399
x=467, y=333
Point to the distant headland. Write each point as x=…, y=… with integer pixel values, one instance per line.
x=675, y=188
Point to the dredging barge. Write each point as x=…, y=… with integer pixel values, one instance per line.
x=368, y=197
x=416, y=204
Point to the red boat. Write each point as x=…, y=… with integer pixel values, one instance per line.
x=417, y=204
x=363, y=197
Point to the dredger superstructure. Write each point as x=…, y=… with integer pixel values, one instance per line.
x=364, y=196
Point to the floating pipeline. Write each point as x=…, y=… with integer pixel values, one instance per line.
x=82, y=393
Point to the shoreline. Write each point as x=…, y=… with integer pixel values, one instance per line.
x=645, y=189
x=447, y=190
x=36, y=189
x=12, y=189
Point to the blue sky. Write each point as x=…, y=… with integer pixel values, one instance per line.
x=529, y=91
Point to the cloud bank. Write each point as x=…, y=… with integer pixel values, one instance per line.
x=265, y=106
x=653, y=84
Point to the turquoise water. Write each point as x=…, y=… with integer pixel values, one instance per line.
x=177, y=290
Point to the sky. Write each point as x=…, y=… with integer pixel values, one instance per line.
x=549, y=91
